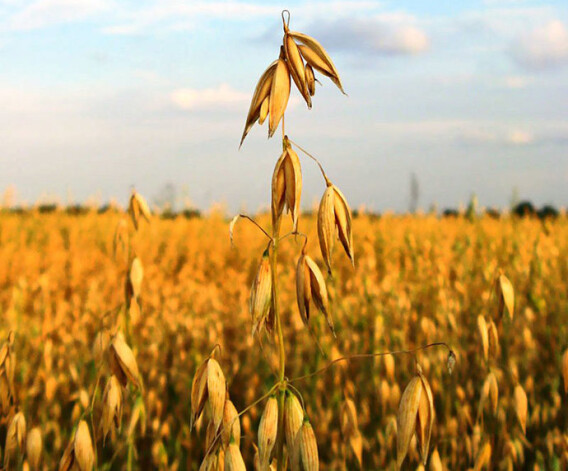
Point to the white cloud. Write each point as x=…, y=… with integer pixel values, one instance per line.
x=192, y=98
x=517, y=82
x=495, y=134
x=471, y=132
x=42, y=13
x=543, y=47
x=383, y=34
x=520, y=138
x=181, y=14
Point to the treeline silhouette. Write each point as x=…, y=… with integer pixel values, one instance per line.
x=524, y=209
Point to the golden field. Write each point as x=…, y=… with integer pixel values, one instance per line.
x=417, y=280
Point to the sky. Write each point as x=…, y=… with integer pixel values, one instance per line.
x=99, y=96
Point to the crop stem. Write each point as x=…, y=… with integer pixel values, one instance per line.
x=369, y=355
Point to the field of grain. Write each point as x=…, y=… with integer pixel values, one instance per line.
x=417, y=280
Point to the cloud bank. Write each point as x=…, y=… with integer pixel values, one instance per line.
x=544, y=47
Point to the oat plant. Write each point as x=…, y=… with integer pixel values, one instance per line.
x=285, y=436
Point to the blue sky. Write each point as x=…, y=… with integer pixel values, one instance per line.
x=100, y=95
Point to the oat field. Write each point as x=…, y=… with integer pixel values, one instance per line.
x=417, y=280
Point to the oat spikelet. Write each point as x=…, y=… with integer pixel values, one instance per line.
x=350, y=429
x=310, y=285
x=406, y=418
x=326, y=225
x=305, y=454
x=83, y=446
x=7, y=367
x=286, y=186
x=296, y=66
x=212, y=439
x=216, y=390
x=506, y=295
x=315, y=55
x=425, y=418
x=483, y=332
x=112, y=406
x=490, y=392
x=233, y=459
x=259, y=105
x=263, y=111
x=198, y=393
x=261, y=296
x=493, y=339
x=135, y=276
x=15, y=438
x=138, y=207
x=120, y=240
x=279, y=94
x=521, y=406
x=231, y=424
x=435, y=461
x=483, y=457
x=210, y=462
x=334, y=215
x=267, y=431
x=123, y=363
x=310, y=80
x=34, y=447
x=293, y=419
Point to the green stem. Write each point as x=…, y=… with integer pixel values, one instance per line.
x=282, y=351
x=129, y=456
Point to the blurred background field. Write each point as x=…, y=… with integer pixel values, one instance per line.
x=418, y=279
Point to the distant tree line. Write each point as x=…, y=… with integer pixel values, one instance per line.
x=523, y=209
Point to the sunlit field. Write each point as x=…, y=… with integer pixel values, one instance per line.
x=417, y=280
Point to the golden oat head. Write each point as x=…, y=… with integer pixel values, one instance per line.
x=293, y=419
x=310, y=286
x=490, y=393
x=286, y=186
x=521, y=406
x=493, y=336
x=406, y=418
x=112, y=406
x=136, y=276
x=334, y=217
x=137, y=208
x=216, y=391
x=261, y=297
x=483, y=332
x=483, y=458
x=425, y=418
x=267, y=432
x=299, y=55
x=305, y=455
x=505, y=295
x=34, y=448
x=83, y=447
x=209, y=387
x=123, y=362
x=198, y=393
x=15, y=438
